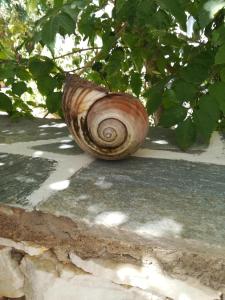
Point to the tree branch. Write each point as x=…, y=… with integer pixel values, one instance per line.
x=76, y=51
x=74, y=70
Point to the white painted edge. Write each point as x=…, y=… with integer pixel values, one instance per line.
x=214, y=154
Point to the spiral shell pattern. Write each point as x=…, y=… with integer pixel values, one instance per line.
x=107, y=125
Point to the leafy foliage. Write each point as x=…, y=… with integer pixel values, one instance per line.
x=171, y=54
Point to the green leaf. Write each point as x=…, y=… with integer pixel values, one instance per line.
x=103, y=3
x=23, y=74
x=18, y=88
x=65, y=24
x=154, y=97
x=7, y=71
x=206, y=117
x=97, y=66
x=220, y=55
x=176, y=9
x=19, y=103
x=136, y=83
x=222, y=75
x=185, y=134
x=194, y=73
x=49, y=30
x=218, y=36
x=217, y=92
x=87, y=23
x=58, y=3
x=169, y=99
x=4, y=55
x=184, y=91
x=46, y=85
x=108, y=40
x=53, y=102
x=137, y=57
x=5, y=103
x=39, y=67
x=172, y=116
x=115, y=61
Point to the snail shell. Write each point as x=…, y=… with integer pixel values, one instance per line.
x=107, y=125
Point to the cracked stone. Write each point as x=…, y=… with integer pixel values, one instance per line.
x=11, y=277
x=47, y=279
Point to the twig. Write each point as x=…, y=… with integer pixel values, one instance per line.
x=89, y=63
x=77, y=51
x=46, y=115
x=74, y=70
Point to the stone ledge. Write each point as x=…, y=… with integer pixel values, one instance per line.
x=159, y=214
x=64, y=236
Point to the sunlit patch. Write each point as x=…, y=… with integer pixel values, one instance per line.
x=160, y=142
x=66, y=146
x=25, y=179
x=95, y=208
x=1, y=164
x=102, y=183
x=162, y=228
x=111, y=218
x=21, y=131
x=71, y=170
x=184, y=297
x=66, y=141
x=135, y=276
x=54, y=125
x=60, y=185
x=213, y=6
x=37, y=154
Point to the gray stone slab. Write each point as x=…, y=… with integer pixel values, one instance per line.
x=20, y=176
x=223, y=134
x=66, y=147
x=25, y=130
x=155, y=197
x=164, y=139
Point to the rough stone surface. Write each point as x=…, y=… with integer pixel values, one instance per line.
x=181, y=260
x=20, y=175
x=46, y=278
x=149, y=276
x=25, y=130
x=148, y=197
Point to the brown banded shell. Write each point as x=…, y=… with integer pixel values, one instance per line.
x=106, y=125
